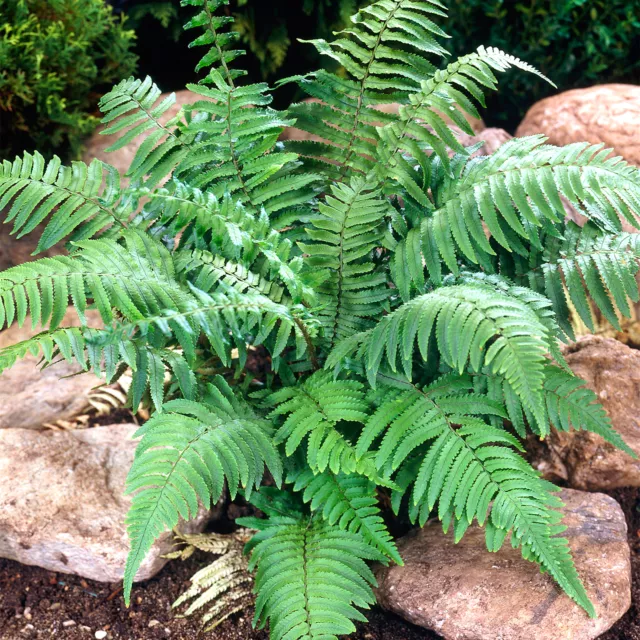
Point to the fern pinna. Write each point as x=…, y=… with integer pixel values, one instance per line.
x=409, y=299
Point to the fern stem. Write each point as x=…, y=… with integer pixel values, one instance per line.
x=310, y=346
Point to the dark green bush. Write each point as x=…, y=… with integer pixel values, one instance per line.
x=56, y=58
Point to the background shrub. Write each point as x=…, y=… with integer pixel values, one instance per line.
x=56, y=58
x=576, y=43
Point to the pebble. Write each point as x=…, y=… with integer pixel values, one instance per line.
x=27, y=613
x=100, y=634
x=69, y=623
x=55, y=606
x=83, y=627
x=154, y=623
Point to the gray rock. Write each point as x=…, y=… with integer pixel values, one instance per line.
x=463, y=592
x=608, y=113
x=583, y=459
x=30, y=396
x=62, y=505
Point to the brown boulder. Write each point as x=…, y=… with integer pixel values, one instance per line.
x=62, y=505
x=608, y=113
x=463, y=592
x=31, y=397
x=583, y=459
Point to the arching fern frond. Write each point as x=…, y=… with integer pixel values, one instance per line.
x=513, y=192
x=471, y=470
x=474, y=326
x=113, y=276
x=186, y=454
x=77, y=202
x=318, y=582
x=350, y=503
x=420, y=129
x=592, y=265
x=82, y=346
x=132, y=108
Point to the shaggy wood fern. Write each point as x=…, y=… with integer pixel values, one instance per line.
x=408, y=297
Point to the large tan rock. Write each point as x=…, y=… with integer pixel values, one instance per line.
x=31, y=397
x=121, y=159
x=62, y=505
x=583, y=459
x=608, y=113
x=463, y=592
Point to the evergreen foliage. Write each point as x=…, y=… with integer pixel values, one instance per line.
x=56, y=56
x=410, y=301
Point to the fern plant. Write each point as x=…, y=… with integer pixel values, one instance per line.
x=408, y=301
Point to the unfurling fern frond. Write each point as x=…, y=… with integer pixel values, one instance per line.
x=186, y=454
x=473, y=325
x=320, y=581
x=348, y=501
x=470, y=470
x=77, y=202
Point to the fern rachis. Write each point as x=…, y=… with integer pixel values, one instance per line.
x=409, y=299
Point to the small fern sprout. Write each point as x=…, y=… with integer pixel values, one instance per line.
x=312, y=321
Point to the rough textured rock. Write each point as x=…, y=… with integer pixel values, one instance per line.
x=31, y=397
x=121, y=159
x=608, y=113
x=463, y=592
x=584, y=460
x=62, y=505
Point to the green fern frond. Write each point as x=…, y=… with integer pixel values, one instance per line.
x=77, y=201
x=80, y=345
x=474, y=326
x=470, y=470
x=591, y=265
x=215, y=36
x=314, y=410
x=132, y=108
x=186, y=454
x=320, y=580
x=345, y=234
x=114, y=277
x=222, y=317
x=421, y=130
x=348, y=501
x=514, y=192
x=383, y=55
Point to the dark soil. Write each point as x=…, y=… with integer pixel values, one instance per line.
x=53, y=599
